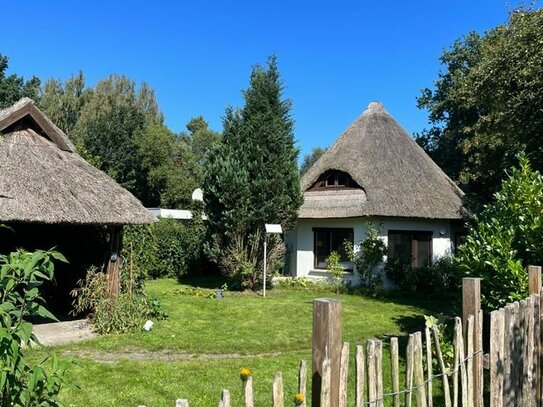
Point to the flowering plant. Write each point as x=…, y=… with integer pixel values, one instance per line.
x=244, y=374
x=298, y=399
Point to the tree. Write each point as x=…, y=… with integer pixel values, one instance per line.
x=63, y=102
x=311, y=158
x=251, y=178
x=506, y=237
x=201, y=138
x=487, y=104
x=14, y=87
x=169, y=168
x=107, y=126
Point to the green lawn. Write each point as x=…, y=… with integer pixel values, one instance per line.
x=200, y=348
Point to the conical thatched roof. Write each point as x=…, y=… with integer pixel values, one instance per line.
x=397, y=177
x=43, y=179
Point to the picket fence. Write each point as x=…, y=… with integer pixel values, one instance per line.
x=513, y=360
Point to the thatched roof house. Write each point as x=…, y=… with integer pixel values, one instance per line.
x=44, y=180
x=51, y=197
x=375, y=172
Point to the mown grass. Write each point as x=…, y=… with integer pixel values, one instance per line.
x=200, y=348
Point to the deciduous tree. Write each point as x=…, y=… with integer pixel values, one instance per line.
x=487, y=104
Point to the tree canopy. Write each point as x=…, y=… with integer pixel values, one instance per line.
x=311, y=158
x=487, y=104
x=14, y=87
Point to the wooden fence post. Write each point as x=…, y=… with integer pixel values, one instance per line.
x=326, y=344
x=471, y=306
x=534, y=287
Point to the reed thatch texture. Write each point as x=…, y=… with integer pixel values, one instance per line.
x=398, y=178
x=43, y=179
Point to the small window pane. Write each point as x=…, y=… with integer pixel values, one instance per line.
x=322, y=247
x=331, y=180
x=329, y=240
x=399, y=246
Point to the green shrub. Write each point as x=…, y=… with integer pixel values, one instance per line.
x=22, y=382
x=167, y=248
x=441, y=278
x=506, y=237
x=110, y=314
x=336, y=270
x=368, y=256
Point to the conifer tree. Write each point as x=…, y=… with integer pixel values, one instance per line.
x=252, y=178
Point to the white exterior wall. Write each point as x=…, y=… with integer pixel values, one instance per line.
x=300, y=242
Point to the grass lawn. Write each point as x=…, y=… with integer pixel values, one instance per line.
x=200, y=348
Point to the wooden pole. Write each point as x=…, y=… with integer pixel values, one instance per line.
x=471, y=306
x=326, y=344
x=114, y=261
x=534, y=279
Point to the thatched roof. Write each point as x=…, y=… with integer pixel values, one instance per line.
x=43, y=179
x=397, y=178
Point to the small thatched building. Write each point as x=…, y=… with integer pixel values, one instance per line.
x=374, y=172
x=51, y=197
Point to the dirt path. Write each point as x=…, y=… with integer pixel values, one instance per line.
x=161, y=356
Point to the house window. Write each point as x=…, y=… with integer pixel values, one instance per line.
x=413, y=246
x=328, y=240
x=335, y=179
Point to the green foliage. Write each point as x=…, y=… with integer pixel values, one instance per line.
x=62, y=102
x=506, y=237
x=251, y=178
x=311, y=158
x=440, y=278
x=445, y=332
x=167, y=248
x=14, y=87
x=368, y=256
x=336, y=271
x=487, y=103
x=23, y=382
x=110, y=314
x=107, y=126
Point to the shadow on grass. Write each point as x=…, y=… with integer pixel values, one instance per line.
x=204, y=281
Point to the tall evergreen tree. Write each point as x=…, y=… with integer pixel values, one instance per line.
x=252, y=178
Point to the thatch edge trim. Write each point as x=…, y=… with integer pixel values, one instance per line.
x=25, y=107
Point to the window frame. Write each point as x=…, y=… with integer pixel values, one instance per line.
x=414, y=244
x=330, y=230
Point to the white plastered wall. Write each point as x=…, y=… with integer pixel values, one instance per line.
x=301, y=240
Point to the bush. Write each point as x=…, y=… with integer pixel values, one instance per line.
x=506, y=237
x=369, y=255
x=22, y=382
x=336, y=270
x=167, y=248
x=114, y=314
x=242, y=260
x=441, y=278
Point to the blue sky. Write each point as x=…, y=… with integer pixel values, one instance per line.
x=335, y=57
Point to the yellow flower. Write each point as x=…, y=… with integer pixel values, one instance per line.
x=244, y=374
x=298, y=399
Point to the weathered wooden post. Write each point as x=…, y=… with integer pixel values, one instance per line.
x=471, y=305
x=326, y=343
x=534, y=287
x=113, y=268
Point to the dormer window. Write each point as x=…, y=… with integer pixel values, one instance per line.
x=335, y=179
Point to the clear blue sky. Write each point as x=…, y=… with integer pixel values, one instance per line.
x=335, y=57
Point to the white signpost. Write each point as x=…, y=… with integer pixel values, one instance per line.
x=270, y=229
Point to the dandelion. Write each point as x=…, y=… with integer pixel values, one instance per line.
x=244, y=374
x=298, y=399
